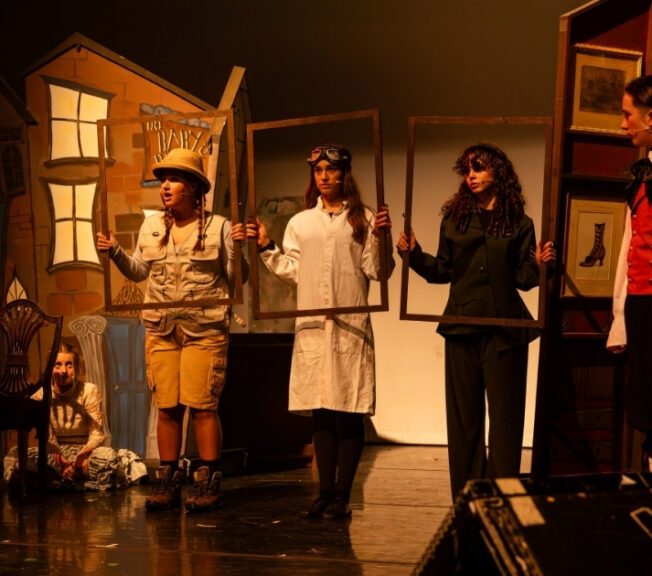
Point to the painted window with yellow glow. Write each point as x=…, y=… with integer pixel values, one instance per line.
x=74, y=112
x=73, y=223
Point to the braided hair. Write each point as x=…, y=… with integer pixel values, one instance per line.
x=199, y=199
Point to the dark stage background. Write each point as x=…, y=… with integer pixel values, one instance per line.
x=444, y=57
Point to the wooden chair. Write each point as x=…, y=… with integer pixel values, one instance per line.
x=21, y=321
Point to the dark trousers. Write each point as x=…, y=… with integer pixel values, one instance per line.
x=638, y=395
x=474, y=367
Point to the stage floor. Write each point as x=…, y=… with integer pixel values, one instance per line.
x=400, y=496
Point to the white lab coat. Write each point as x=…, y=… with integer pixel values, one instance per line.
x=333, y=362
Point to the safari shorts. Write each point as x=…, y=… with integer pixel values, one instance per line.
x=187, y=370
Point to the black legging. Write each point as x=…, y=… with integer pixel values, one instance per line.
x=339, y=439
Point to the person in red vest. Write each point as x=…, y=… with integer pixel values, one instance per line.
x=631, y=329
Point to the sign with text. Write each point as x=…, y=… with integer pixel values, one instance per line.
x=164, y=134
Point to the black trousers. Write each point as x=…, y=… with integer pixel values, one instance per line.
x=638, y=395
x=475, y=367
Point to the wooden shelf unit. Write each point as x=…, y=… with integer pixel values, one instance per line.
x=579, y=424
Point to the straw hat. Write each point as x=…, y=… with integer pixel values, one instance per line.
x=183, y=160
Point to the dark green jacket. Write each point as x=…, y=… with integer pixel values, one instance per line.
x=485, y=274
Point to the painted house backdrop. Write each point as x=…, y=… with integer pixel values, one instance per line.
x=49, y=206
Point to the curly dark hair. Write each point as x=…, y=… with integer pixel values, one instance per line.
x=510, y=204
x=350, y=193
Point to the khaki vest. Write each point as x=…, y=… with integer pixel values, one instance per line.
x=179, y=274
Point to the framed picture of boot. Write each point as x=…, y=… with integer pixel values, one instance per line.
x=594, y=233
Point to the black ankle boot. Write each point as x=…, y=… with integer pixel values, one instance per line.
x=337, y=509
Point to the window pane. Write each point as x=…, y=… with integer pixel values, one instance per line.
x=63, y=102
x=85, y=243
x=84, y=196
x=88, y=137
x=92, y=108
x=64, y=140
x=15, y=291
x=11, y=134
x=63, y=242
x=61, y=200
x=12, y=166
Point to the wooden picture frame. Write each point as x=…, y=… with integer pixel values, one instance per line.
x=477, y=124
x=594, y=231
x=132, y=147
x=600, y=76
x=297, y=131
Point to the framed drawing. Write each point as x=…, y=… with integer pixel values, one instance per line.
x=129, y=191
x=600, y=77
x=434, y=144
x=594, y=232
x=278, y=177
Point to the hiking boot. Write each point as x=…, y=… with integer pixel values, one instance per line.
x=166, y=493
x=205, y=494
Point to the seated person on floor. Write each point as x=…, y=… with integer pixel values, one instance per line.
x=76, y=452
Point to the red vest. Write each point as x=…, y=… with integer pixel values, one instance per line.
x=639, y=256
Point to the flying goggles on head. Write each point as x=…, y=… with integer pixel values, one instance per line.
x=332, y=154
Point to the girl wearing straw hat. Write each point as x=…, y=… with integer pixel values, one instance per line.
x=185, y=253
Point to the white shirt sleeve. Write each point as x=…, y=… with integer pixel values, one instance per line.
x=285, y=263
x=617, y=333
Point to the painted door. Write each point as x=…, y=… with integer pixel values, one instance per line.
x=129, y=403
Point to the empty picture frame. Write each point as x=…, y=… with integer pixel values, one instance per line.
x=278, y=177
x=434, y=143
x=129, y=191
